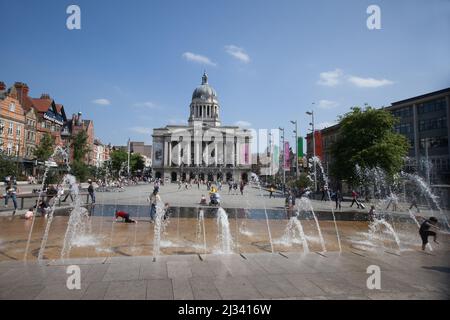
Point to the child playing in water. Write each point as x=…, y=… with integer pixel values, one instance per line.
x=125, y=217
x=425, y=232
x=29, y=214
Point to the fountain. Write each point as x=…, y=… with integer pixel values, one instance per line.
x=305, y=205
x=58, y=150
x=325, y=181
x=158, y=228
x=426, y=190
x=201, y=228
x=258, y=182
x=294, y=234
x=375, y=226
x=224, y=235
x=78, y=219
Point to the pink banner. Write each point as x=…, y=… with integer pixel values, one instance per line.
x=286, y=164
x=244, y=154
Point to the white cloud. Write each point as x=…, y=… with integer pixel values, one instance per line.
x=238, y=53
x=323, y=125
x=327, y=104
x=146, y=104
x=189, y=56
x=141, y=130
x=330, y=78
x=102, y=102
x=243, y=124
x=369, y=82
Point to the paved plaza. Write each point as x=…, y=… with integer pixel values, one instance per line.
x=247, y=274
x=413, y=275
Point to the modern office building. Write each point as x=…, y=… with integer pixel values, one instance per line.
x=425, y=121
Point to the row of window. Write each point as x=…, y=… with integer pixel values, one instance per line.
x=50, y=125
x=403, y=112
x=432, y=124
x=434, y=142
x=403, y=128
x=431, y=106
x=10, y=129
x=11, y=150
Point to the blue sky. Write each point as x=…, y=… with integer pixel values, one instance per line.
x=134, y=64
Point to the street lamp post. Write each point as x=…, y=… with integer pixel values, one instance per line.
x=311, y=113
x=296, y=147
x=128, y=153
x=282, y=162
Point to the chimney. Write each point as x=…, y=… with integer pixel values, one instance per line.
x=22, y=91
x=2, y=86
x=45, y=96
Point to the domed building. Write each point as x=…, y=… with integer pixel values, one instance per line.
x=203, y=149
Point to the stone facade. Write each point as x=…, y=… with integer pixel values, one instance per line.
x=203, y=149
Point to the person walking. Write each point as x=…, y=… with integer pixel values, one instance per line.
x=11, y=192
x=271, y=190
x=230, y=187
x=154, y=198
x=355, y=200
x=91, y=191
x=338, y=199
x=241, y=187
x=69, y=194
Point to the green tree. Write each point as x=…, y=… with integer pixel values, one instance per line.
x=136, y=162
x=118, y=158
x=45, y=148
x=303, y=181
x=8, y=167
x=80, y=170
x=366, y=138
x=80, y=146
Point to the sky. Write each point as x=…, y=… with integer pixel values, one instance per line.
x=134, y=64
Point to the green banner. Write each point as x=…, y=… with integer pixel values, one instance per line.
x=300, y=147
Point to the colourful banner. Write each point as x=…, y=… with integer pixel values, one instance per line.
x=245, y=154
x=286, y=164
x=300, y=154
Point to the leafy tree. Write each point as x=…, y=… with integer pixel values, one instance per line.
x=136, y=162
x=45, y=148
x=80, y=170
x=8, y=167
x=80, y=146
x=118, y=158
x=303, y=181
x=366, y=138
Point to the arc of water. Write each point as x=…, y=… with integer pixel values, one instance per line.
x=157, y=230
x=325, y=180
x=265, y=212
x=374, y=226
x=425, y=188
x=76, y=224
x=322, y=241
x=57, y=150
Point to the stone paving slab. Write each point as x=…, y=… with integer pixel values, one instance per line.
x=330, y=275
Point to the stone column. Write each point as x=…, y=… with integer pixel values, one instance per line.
x=170, y=153
x=166, y=153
